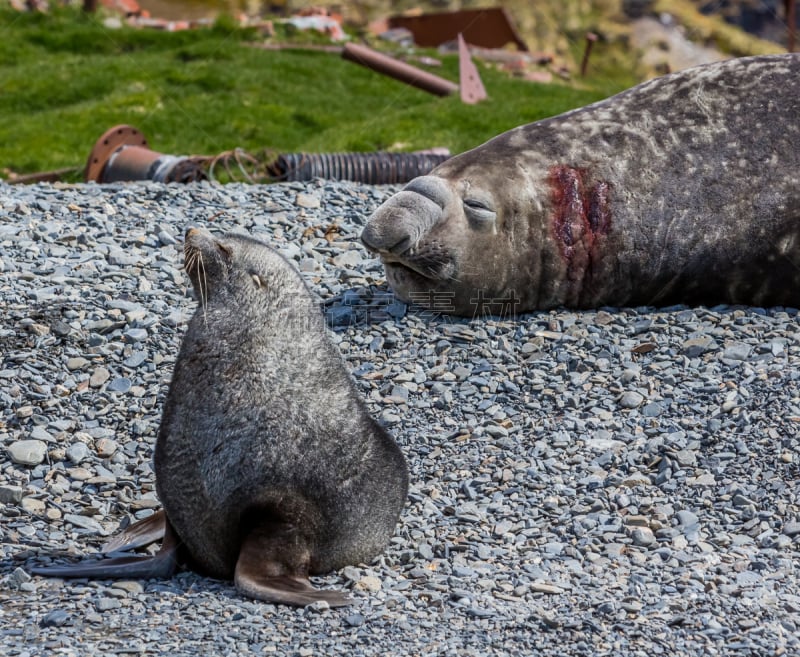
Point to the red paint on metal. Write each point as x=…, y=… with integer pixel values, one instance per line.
x=581, y=216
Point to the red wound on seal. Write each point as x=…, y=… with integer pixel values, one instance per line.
x=580, y=216
x=570, y=216
x=599, y=214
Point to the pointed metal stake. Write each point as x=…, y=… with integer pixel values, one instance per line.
x=472, y=89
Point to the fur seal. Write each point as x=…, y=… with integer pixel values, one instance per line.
x=267, y=463
x=684, y=189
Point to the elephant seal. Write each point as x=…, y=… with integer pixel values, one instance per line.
x=267, y=463
x=684, y=189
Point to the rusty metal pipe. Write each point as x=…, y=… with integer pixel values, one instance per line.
x=371, y=168
x=121, y=154
x=137, y=163
x=398, y=70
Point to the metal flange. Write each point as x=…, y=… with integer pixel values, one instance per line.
x=109, y=143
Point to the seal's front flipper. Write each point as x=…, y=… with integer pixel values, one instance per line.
x=141, y=533
x=272, y=569
x=163, y=564
x=117, y=568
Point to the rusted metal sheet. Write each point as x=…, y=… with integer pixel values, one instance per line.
x=471, y=85
x=398, y=70
x=489, y=28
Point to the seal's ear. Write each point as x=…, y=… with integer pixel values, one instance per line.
x=225, y=250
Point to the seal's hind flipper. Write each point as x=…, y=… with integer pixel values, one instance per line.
x=286, y=590
x=276, y=570
x=141, y=533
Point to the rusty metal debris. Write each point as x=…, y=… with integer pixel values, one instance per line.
x=42, y=176
x=372, y=168
x=472, y=89
x=591, y=37
x=398, y=70
x=122, y=154
x=491, y=27
x=471, y=86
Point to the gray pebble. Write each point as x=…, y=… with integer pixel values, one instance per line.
x=55, y=618
x=107, y=604
x=121, y=384
x=643, y=536
x=354, y=620
x=135, y=335
x=305, y=200
x=653, y=409
x=736, y=351
x=77, y=452
x=10, y=494
x=135, y=359
x=791, y=528
x=27, y=452
x=686, y=518
x=85, y=522
x=18, y=577
x=631, y=399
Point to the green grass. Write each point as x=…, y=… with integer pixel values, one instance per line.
x=66, y=79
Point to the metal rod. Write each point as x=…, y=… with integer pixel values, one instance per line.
x=398, y=70
x=591, y=37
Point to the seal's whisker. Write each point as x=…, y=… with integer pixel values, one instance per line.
x=202, y=282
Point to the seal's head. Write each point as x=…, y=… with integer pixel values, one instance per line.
x=444, y=241
x=235, y=271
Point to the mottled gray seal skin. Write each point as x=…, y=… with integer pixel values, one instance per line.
x=267, y=463
x=684, y=189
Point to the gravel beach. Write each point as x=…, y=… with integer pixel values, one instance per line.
x=617, y=482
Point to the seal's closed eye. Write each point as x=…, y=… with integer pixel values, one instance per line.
x=479, y=211
x=478, y=204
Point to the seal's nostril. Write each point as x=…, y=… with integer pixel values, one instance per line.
x=401, y=246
